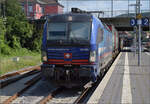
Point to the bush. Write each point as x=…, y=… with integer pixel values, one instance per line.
x=4, y=48
x=17, y=36
x=18, y=28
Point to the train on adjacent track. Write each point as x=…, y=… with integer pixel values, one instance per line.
x=76, y=48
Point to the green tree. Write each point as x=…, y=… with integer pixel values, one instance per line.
x=18, y=28
x=4, y=48
x=17, y=32
x=36, y=39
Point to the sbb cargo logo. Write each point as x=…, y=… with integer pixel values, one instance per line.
x=67, y=55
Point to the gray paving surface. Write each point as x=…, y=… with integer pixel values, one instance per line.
x=125, y=82
x=139, y=81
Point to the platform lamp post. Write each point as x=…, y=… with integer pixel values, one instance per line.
x=111, y=8
x=128, y=7
x=135, y=27
x=139, y=22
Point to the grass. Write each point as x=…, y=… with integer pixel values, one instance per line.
x=26, y=59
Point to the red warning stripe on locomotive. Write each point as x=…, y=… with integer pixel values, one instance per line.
x=61, y=62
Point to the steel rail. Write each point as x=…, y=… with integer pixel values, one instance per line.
x=82, y=96
x=19, y=72
x=12, y=80
x=51, y=95
x=16, y=95
x=31, y=80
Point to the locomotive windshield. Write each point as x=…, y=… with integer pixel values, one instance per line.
x=57, y=31
x=80, y=30
x=69, y=31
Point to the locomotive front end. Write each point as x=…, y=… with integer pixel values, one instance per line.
x=66, y=52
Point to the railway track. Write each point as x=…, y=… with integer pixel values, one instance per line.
x=61, y=95
x=30, y=83
x=53, y=95
x=19, y=72
x=56, y=95
x=82, y=96
x=15, y=76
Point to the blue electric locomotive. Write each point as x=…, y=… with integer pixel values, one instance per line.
x=75, y=46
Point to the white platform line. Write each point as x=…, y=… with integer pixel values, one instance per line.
x=126, y=90
x=100, y=89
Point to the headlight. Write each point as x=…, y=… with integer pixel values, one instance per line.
x=93, y=56
x=44, y=56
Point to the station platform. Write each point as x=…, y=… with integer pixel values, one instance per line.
x=125, y=82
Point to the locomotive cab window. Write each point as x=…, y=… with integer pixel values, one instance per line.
x=80, y=30
x=100, y=35
x=57, y=31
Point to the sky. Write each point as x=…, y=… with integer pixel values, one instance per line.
x=119, y=6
